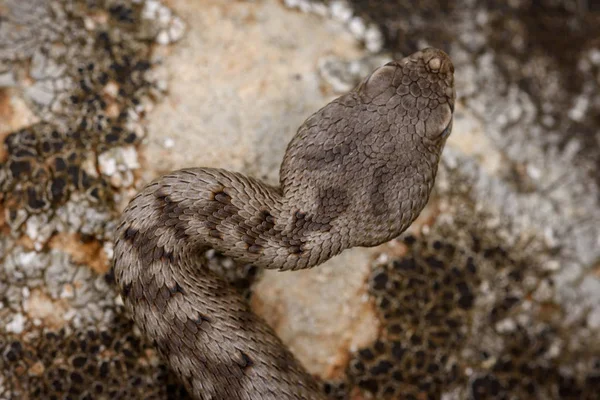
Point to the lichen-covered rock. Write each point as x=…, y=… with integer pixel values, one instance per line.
x=424, y=299
x=84, y=69
x=91, y=363
x=459, y=321
x=494, y=295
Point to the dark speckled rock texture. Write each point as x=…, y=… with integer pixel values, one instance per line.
x=494, y=293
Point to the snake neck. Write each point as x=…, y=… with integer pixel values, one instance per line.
x=239, y=217
x=201, y=326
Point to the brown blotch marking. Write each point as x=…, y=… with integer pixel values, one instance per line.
x=255, y=249
x=319, y=159
x=376, y=190
x=268, y=218
x=158, y=253
x=176, y=289
x=126, y=290
x=296, y=250
x=212, y=230
x=146, y=287
x=179, y=233
x=161, y=297
x=221, y=197
x=266, y=223
x=262, y=225
x=215, y=234
x=251, y=243
x=161, y=195
x=245, y=361
x=168, y=256
x=137, y=291
x=155, y=252
x=302, y=223
x=231, y=387
x=332, y=202
x=170, y=211
x=200, y=318
x=217, y=211
x=319, y=222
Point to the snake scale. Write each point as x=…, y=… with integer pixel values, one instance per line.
x=357, y=173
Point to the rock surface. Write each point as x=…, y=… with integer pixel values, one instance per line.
x=495, y=293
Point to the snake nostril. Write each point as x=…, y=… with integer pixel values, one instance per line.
x=245, y=361
x=435, y=64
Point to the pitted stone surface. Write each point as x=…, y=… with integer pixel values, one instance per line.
x=529, y=106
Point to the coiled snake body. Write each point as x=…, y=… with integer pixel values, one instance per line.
x=357, y=173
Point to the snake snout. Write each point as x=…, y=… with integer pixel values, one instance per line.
x=436, y=60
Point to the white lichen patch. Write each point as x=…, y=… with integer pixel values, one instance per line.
x=51, y=313
x=47, y=289
x=118, y=164
x=344, y=75
x=341, y=11
x=77, y=215
x=39, y=228
x=170, y=28
x=16, y=324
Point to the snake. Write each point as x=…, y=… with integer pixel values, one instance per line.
x=357, y=173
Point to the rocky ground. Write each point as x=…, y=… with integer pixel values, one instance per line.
x=493, y=294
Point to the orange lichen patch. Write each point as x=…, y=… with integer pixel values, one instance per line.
x=356, y=394
x=337, y=368
x=394, y=248
x=596, y=270
x=5, y=113
x=91, y=253
x=3, y=224
x=426, y=218
x=288, y=302
x=112, y=110
x=359, y=335
x=37, y=369
x=5, y=106
x=14, y=115
x=110, y=92
x=20, y=371
x=149, y=357
x=95, y=20
x=26, y=242
x=40, y=306
x=275, y=311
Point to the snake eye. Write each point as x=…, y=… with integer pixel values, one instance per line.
x=439, y=123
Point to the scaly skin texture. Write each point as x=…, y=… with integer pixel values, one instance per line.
x=357, y=173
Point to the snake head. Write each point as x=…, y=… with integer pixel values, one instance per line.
x=421, y=87
x=364, y=165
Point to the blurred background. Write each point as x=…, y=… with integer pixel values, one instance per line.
x=493, y=293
